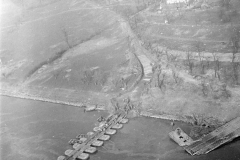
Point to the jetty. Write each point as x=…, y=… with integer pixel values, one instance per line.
x=84, y=145
x=209, y=142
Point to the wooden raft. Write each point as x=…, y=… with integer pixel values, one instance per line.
x=216, y=138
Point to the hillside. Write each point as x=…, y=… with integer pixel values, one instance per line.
x=213, y=25
x=73, y=46
x=173, y=59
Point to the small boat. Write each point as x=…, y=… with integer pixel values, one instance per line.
x=111, y=131
x=91, y=150
x=180, y=137
x=76, y=145
x=103, y=124
x=117, y=126
x=104, y=137
x=68, y=152
x=83, y=139
x=83, y=156
x=61, y=158
x=96, y=129
x=124, y=120
x=89, y=134
x=72, y=141
x=80, y=136
x=101, y=119
x=101, y=127
x=111, y=116
x=97, y=143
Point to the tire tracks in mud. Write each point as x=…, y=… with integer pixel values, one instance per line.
x=144, y=61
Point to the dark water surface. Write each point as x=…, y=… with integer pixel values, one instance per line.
x=34, y=130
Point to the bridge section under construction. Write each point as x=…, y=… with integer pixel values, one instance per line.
x=84, y=145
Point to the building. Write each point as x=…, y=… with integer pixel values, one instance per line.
x=176, y=1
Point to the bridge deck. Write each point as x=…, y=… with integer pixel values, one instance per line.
x=216, y=138
x=94, y=137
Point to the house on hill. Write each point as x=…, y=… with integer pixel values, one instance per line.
x=176, y=1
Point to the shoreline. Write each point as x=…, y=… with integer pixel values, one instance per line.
x=28, y=96
x=138, y=113
x=166, y=116
x=98, y=108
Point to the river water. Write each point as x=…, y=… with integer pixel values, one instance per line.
x=34, y=130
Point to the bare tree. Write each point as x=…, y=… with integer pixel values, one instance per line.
x=204, y=88
x=234, y=41
x=66, y=37
x=161, y=80
x=171, y=57
x=200, y=48
x=201, y=59
x=190, y=63
x=175, y=75
x=216, y=65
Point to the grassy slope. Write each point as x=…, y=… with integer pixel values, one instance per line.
x=35, y=51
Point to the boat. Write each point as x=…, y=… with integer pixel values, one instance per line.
x=83, y=156
x=124, y=120
x=101, y=119
x=103, y=124
x=76, y=145
x=89, y=134
x=61, y=158
x=110, y=131
x=91, y=150
x=117, y=126
x=101, y=127
x=68, y=152
x=104, y=137
x=97, y=143
x=109, y=117
x=83, y=139
x=80, y=136
x=96, y=129
x=180, y=137
x=72, y=141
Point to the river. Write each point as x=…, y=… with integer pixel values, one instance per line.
x=34, y=130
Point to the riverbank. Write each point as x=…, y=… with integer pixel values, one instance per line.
x=39, y=130
x=27, y=96
x=197, y=129
x=19, y=93
x=59, y=96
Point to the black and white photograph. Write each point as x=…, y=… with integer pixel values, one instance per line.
x=119, y=79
